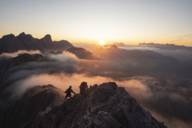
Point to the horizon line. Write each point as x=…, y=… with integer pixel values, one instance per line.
x=89, y=40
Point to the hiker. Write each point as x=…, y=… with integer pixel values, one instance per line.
x=92, y=87
x=83, y=89
x=68, y=92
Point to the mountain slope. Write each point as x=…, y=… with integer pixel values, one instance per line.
x=12, y=43
x=106, y=106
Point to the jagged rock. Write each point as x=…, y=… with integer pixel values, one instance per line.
x=24, y=37
x=81, y=52
x=12, y=43
x=47, y=38
x=8, y=37
x=36, y=101
x=22, y=58
x=106, y=106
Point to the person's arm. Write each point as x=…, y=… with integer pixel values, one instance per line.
x=73, y=92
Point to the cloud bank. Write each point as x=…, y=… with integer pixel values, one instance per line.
x=161, y=83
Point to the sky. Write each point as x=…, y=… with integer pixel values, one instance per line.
x=128, y=21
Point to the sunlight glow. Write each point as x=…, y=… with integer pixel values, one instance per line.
x=102, y=42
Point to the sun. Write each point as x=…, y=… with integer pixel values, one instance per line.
x=102, y=42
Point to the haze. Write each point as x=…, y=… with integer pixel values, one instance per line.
x=129, y=21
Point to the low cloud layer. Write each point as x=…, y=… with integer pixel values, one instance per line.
x=15, y=54
x=162, y=84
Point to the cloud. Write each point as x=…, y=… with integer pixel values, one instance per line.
x=160, y=83
x=15, y=54
x=170, y=101
x=63, y=57
x=172, y=122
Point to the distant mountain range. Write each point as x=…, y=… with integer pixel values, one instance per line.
x=167, y=46
x=12, y=43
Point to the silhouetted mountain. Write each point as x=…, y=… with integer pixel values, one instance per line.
x=47, y=38
x=12, y=43
x=165, y=46
x=7, y=64
x=37, y=99
x=106, y=106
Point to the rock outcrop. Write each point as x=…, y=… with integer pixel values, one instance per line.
x=106, y=106
x=12, y=43
x=36, y=101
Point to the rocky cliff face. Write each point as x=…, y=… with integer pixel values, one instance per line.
x=106, y=106
x=12, y=43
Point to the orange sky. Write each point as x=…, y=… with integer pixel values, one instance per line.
x=128, y=21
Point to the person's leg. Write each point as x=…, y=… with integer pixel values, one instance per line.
x=67, y=95
x=70, y=95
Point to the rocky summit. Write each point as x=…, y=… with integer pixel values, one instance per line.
x=11, y=43
x=105, y=106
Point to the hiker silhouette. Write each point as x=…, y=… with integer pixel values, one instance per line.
x=69, y=92
x=83, y=89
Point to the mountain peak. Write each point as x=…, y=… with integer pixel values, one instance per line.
x=104, y=106
x=47, y=38
x=8, y=37
x=24, y=36
x=12, y=43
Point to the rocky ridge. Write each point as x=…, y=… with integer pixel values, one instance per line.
x=12, y=43
x=106, y=106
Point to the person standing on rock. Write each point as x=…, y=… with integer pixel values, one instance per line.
x=69, y=92
x=83, y=89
